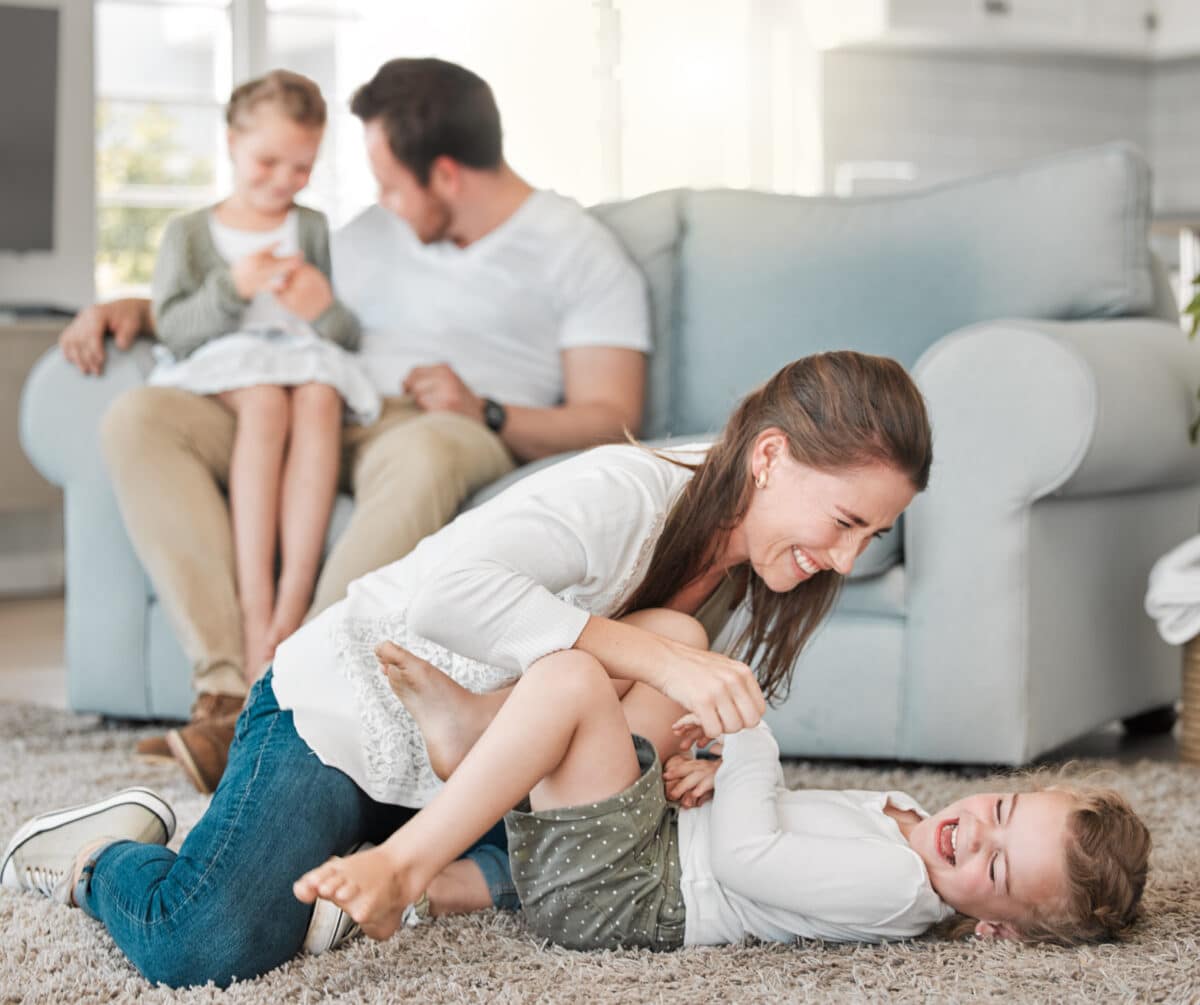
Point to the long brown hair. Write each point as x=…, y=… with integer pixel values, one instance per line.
x=838, y=410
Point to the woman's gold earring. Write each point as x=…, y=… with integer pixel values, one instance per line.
x=761, y=479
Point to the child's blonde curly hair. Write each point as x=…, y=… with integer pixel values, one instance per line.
x=1107, y=859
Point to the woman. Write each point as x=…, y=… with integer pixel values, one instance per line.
x=810, y=467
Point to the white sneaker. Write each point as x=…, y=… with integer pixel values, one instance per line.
x=41, y=854
x=330, y=926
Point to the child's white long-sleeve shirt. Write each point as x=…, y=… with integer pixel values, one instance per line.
x=763, y=860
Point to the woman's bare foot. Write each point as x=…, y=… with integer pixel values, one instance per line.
x=450, y=717
x=373, y=887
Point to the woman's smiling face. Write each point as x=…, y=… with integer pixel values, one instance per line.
x=802, y=520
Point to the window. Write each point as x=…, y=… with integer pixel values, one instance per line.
x=160, y=72
x=601, y=99
x=164, y=70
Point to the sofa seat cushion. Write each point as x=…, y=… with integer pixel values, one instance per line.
x=882, y=595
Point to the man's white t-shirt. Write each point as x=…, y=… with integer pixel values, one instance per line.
x=499, y=311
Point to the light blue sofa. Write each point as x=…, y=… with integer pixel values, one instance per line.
x=1005, y=616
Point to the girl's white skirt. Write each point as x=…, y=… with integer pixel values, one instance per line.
x=284, y=359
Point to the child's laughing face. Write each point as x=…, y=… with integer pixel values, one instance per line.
x=997, y=856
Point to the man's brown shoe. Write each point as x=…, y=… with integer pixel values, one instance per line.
x=202, y=748
x=206, y=706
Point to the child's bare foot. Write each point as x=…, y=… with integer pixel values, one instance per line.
x=450, y=717
x=371, y=886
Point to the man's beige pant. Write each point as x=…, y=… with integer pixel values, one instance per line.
x=168, y=454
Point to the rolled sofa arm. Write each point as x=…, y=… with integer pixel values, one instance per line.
x=1144, y=376
x=1021, y=411
x=107, y=614
x=61, y=410
x=1085, y=408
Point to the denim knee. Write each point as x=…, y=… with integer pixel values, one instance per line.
x=493, y=863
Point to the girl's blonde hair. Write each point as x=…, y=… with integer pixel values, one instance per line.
x=297, y=97
x=1107, y=857
x=839, y=411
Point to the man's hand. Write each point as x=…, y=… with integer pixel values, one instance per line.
x=439, y=389
x=306, y=292
x=690, y=781
x=82, y=341
x=263, y=270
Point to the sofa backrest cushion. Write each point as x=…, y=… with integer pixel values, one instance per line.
x=648, y=230
x=766, y=278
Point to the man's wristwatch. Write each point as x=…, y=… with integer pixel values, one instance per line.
x=494, y=415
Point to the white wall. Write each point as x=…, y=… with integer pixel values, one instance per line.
x=1175, y=135
x=951, y=115
x=64, y=275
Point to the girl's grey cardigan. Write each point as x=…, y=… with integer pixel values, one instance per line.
x=193, y=296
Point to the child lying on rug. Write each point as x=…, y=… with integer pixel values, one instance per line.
x=601, y=860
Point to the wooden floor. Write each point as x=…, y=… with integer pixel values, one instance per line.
x=31, y=651
x=31, y=670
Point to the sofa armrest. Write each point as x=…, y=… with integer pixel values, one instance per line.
x=1144, y=376
x=1024, y=411
x=61, y=409
x=1071, y=408
x=107, y=615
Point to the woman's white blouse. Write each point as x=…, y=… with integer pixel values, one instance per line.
x=489, y=594
x=766, y=861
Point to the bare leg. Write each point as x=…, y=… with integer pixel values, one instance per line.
x=460, y=888
x=254, y=471
x=428, y=693
x=561, y=737
x=309, y=484
x=450, y=717
x=425, y=691
x=651, y=713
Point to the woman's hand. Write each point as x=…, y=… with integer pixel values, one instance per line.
x=720, y=693
x=690, y=781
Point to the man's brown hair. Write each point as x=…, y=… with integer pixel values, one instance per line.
x=430, y=108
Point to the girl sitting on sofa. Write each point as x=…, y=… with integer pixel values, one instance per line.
x=243, y=302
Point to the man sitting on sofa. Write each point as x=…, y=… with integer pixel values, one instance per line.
x=500, y=322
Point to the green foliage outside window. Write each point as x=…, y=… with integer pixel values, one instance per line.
x=140, y=150
x=1192, y=310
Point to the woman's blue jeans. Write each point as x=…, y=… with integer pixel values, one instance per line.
x=223, y=908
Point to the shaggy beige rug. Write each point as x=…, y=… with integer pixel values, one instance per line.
x=54, y=954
